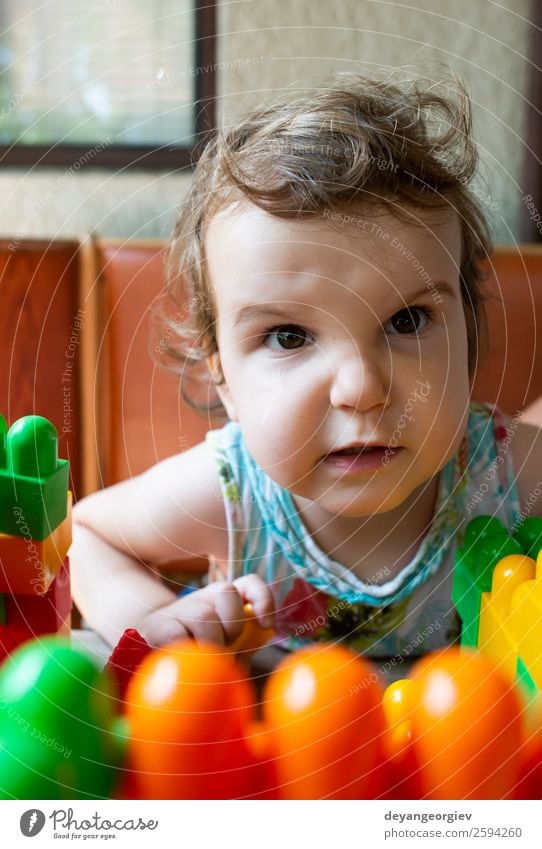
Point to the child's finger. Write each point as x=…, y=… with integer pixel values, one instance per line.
x=228, y=606
x=258, y=593
x=160, y=628
x=203, y=622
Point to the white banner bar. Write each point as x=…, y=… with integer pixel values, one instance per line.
x=261, y=825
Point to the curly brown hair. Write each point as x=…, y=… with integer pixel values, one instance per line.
x=352, y=144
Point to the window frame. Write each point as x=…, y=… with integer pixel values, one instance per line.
x=120, y=157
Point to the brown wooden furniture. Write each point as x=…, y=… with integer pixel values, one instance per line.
x=41, y=327
x=510, y=370
x=142, y=417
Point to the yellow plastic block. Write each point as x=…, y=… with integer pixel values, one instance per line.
x=252, y=637
x=496, y=635
x=29, y=566
x=526, y=622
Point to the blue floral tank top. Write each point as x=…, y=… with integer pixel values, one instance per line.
x=319, y=599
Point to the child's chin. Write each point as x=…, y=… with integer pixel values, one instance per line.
x=357, y=508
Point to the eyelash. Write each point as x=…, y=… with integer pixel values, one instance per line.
x=285, y=327
x=427, y=312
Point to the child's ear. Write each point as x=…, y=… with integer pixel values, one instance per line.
x=222, y=389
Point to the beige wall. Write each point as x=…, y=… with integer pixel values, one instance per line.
x=266, y=46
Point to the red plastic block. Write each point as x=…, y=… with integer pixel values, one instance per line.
x=29, y=566
x=42, y=614
x=126, y=657
x=10, y=638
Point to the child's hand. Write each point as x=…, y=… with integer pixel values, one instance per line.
x=214, y=614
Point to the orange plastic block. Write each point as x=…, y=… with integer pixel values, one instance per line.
x=497, y=635
x=42, y=614
x=28, y=566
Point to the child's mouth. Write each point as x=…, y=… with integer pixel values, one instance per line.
x=361, y=458
x=361, y=449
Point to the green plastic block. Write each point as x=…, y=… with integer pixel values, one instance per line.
x=466, y=599
x=60, y=735
x=525, y=679
x=483, y=526
x=33, y=481
x=486, y=541
x=529, y=536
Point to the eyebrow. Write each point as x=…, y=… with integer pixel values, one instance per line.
x=255, y=311
x=259, y=310
x=439, y=286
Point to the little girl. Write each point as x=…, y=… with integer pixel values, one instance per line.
x=329, y=250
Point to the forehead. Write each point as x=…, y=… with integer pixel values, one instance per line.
x=251, y=254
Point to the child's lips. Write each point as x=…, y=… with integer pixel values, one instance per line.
x=364, y=460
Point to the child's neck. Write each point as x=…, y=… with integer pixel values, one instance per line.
x=374, y=547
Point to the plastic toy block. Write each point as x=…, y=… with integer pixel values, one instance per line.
x=33, y=481
x=42, y=614
x=496, y=636
x=529, y=536
x=2, y=610
x=65, y=628
x=483, y=526
x=61, y=737
x=526, y=622
x=486, y=542
x=29, y=567
x=525, y=680
x=253, y=636
x=10, y=638
x=126, y=657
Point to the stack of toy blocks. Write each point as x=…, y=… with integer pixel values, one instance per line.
x=35, y=533
x=497, y=591
x=511, y=618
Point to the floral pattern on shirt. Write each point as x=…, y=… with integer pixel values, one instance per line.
x=310, y=614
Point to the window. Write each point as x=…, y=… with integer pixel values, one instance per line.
x=112, y=83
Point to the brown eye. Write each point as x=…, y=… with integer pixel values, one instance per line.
x=288, y=337
x=409, y=320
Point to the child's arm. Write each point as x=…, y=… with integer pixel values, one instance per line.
x=532, y=415
x=173, y=511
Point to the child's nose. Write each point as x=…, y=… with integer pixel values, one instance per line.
x=360, y=381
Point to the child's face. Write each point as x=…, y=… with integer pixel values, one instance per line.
x=319, y=350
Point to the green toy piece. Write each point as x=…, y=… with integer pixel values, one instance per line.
x=529, y=536
x=483, y=526
x=486, y=541
x=525, y=681
x=60, y=737
x=3, y=437
x=33, y=481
